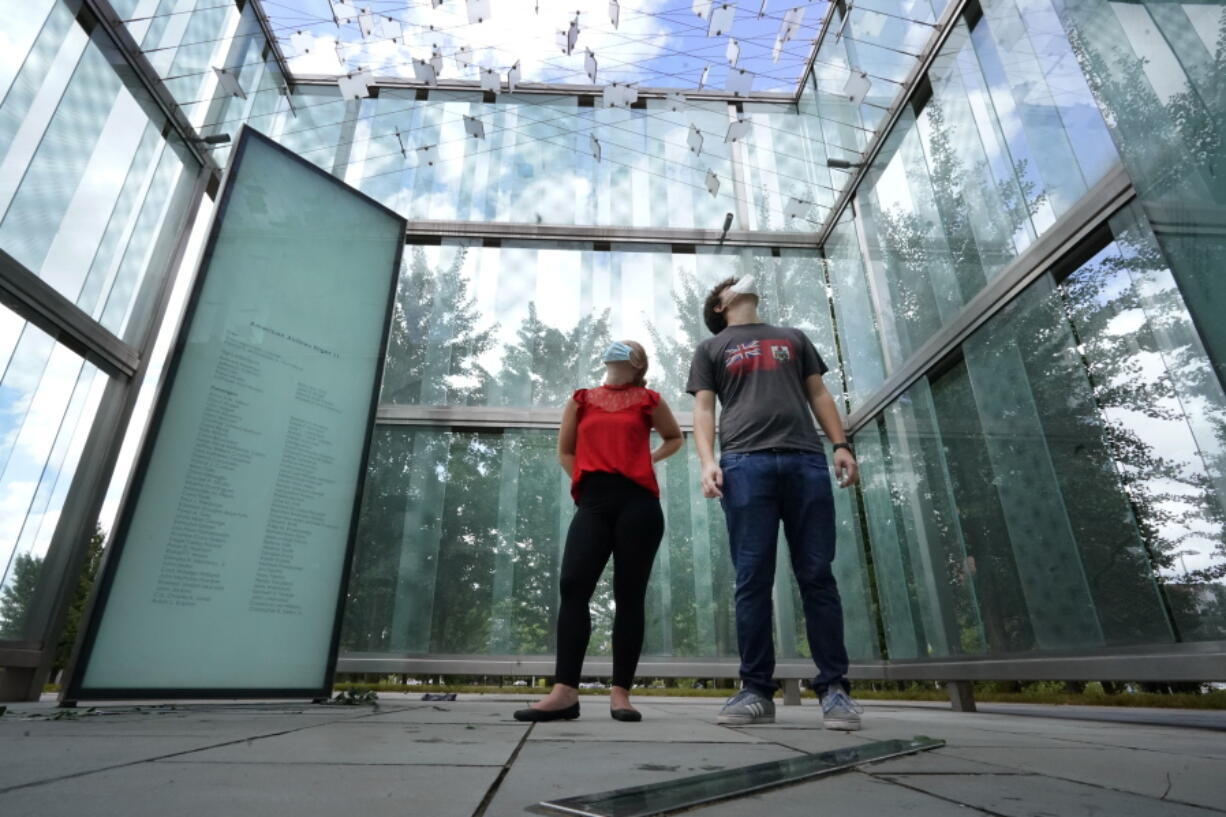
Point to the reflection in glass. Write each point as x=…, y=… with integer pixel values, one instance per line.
x=1156, y=70
x=1165, y=416
x=460, y=543
x=523, y=324
x=1060, y=486
x=1000, y=143
x=48, y=397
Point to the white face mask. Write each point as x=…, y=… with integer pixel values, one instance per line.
x=745, y=286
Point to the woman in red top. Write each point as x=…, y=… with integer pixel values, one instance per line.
x=605, y=445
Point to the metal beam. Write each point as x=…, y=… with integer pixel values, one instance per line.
x=274, y=44
x=556, y=89
x=1089, y=214
x=1204, y=661
x=817, y=47
x=483, y=417
x=1193, y=661
x=952, y=13
x=615, y=235
x=595, y=665
x=35, y=300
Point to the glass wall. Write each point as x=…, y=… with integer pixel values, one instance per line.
x=94, y=192
x=1157, y=70
x=998, y=143
x=461, y=537
x=1058, y=486
x=91, y=191
x=520, y=326
x=523, y=324
x=48, y=398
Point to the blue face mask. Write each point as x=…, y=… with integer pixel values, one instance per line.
x=616, y=353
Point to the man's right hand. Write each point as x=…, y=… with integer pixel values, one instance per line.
x=712, y=481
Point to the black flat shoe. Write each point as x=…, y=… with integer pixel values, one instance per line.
x=629, y=715
x=539, y=715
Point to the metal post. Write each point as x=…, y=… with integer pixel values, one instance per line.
x=791, y=692
x=961, y=695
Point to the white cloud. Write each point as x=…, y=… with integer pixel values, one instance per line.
x=514, y=33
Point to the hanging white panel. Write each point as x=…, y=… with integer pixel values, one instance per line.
x=474, y=127
x=733, y=52
x=739, y=81
x=354, y=86
x=721, y=20
x=694, y=140
x=737, y=130
x=478, y=11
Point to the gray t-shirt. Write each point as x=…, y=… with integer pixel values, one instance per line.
x=758, y=373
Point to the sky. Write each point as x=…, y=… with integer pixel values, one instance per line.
x=657, y=43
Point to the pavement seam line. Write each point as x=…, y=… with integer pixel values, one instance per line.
x=506, y=768
x=1101, y=787
x=87, y=772
x=959, y=803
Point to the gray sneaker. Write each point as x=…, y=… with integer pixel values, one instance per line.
x=746, y=707
x=839, y=711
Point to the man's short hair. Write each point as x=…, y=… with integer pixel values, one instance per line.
x=716, y=321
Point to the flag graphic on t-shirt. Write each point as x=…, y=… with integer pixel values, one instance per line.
x=749, y=357
x=740, y=353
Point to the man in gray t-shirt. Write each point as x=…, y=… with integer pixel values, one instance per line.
x=759, y=371
x=772, y=469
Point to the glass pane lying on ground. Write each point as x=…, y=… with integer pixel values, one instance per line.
x=672, y=795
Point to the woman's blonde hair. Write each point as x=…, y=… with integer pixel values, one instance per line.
x=638, y=359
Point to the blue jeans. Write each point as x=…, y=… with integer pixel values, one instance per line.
x=761, y=489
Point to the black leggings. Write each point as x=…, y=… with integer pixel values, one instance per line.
x=615, y=516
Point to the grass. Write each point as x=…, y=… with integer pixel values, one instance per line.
x=1211, y=700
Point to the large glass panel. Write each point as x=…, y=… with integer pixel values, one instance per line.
x=990, y=566
x=1157, y=70
x=94, y=195
x=438, y=570
x=1165, y=416
x=1058, y=141
x=240, y=515
x=852, y=294
x=1082, y=562
x=920, y=557
x=48, y=398
x=1000, y=143
x=1060, y=487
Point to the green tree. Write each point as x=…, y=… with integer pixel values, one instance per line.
x=436, y=344
x=18, y=594
x=80, y=597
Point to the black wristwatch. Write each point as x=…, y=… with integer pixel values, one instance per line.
x=837, y=446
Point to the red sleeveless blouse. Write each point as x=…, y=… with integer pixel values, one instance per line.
x=614, y=434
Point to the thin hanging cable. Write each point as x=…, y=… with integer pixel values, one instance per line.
x=571, y=132
x=760, y=171
x=643, y=113
x=424, y=28
x=173, y=13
